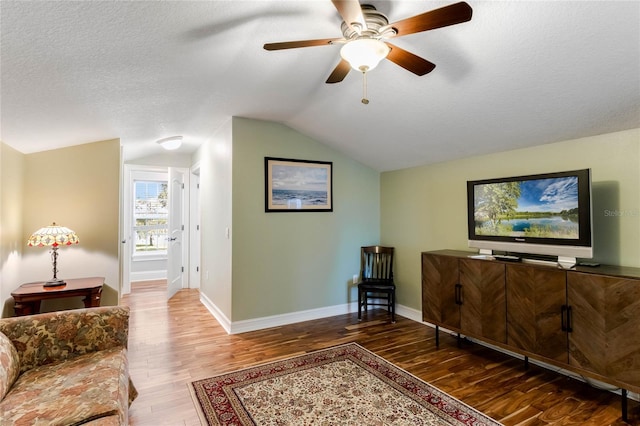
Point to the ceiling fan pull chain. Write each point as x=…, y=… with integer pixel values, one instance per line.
x=364, y=88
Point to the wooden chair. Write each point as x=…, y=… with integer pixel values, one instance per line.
x=376, y=279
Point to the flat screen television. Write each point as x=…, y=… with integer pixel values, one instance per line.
x=544, y=214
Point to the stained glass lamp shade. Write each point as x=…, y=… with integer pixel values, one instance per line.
x=53, y=236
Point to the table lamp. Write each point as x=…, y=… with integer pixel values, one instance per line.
x=53, y=236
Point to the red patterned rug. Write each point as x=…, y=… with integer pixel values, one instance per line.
x=342, y=385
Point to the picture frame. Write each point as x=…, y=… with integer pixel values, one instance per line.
x=292, y=185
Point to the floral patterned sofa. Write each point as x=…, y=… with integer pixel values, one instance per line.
x=66, y=368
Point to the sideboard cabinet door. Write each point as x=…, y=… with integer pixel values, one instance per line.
x=535, y=300
x=439, y=290
x=605, y=322
x=483, y=312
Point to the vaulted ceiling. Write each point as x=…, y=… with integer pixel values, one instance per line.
x=518, y=74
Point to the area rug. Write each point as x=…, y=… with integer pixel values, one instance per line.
x=342, y=385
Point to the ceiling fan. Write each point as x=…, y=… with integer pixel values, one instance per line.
x=366, y=31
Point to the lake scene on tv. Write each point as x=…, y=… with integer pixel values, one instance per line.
x=539, y=208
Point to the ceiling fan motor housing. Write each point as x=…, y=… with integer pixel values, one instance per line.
x=377, y=25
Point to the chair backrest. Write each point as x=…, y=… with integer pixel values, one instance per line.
x=376, y=263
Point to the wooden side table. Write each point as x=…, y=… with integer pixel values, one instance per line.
x=28, y=296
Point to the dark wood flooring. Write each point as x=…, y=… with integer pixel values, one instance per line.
x=173, y=343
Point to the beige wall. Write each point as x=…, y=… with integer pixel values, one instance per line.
x=77, y=187
x=214, y=160
x=11, y=242
x=424, y=208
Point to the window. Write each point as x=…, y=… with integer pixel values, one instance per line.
x=151, y=216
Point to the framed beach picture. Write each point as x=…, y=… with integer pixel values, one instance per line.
x=297, y=185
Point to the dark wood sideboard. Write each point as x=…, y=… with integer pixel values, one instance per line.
x=585, y=320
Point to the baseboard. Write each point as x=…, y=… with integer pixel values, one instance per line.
x=291, y=318
x=149, y=275
x=217, y=313
x=255, y=324
x=410, y=313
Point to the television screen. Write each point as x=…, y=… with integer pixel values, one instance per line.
x=534, y=208
x=547, y=214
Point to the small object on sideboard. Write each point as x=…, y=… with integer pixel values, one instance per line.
x=590, y=264
x=507, y=258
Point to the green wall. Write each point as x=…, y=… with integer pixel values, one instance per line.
x=290, y=262
x=424, y=208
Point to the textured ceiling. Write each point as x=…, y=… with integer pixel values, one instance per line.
x=518, y=74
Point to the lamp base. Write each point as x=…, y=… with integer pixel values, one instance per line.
x=54, y=283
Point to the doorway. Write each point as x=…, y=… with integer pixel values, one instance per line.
x=155, y=217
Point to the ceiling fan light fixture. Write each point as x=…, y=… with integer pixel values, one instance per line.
x=171, y=143
x=364, y=54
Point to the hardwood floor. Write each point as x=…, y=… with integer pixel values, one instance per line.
x=173, y=343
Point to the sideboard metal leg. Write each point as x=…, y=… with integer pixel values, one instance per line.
x=437, y=336
x=526, y=362
x=625, y=415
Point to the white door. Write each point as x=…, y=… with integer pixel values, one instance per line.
x=176, y=247
x=194, y=226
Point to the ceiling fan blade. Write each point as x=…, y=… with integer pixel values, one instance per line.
x=438, y=18
x=301, y=43
x=339, y=72
x=351, y=12
x=409, y=61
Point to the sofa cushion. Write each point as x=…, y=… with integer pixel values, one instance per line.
x=9, y=365
x=88, y=387
x=56, y=336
